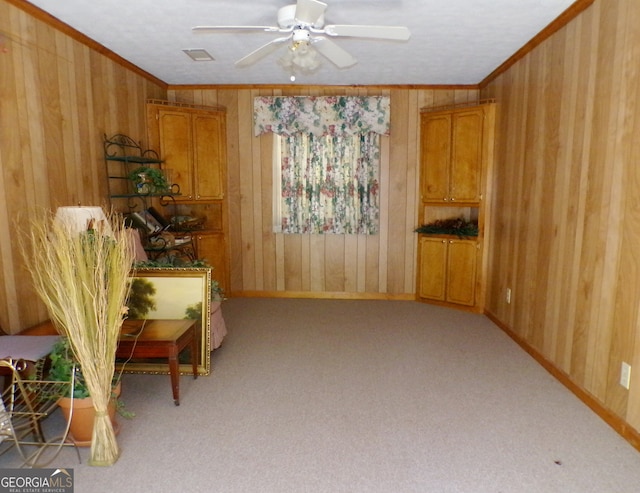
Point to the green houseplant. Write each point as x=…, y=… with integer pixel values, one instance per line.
x=80, y=411
x=80, y=262
x=458, y=226
x=149, y=180
x=63, y=365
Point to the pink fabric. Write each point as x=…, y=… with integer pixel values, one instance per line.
x=218, y=327
x=140, y=254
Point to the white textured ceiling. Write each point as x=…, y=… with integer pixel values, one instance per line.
x=452, y=41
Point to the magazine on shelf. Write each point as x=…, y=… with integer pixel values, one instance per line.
x=145, y=220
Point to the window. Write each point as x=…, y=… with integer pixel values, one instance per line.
x=326, y=161
x=326, y=184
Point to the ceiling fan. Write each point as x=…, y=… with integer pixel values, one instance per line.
x=305, y=31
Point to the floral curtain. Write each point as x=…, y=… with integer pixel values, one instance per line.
x=329, y=184
x=329, y=154
x=331, y=115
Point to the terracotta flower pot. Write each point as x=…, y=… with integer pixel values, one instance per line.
x=81, y=427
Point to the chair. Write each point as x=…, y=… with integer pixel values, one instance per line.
x=25, y=403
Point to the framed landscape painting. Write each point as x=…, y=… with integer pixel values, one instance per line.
x=170, y=294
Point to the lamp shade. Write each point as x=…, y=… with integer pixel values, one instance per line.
x=78, y=219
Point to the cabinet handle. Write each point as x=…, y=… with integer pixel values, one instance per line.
x=452, y=199
x=445, y=199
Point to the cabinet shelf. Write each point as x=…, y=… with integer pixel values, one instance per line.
x=134, y=159
x=450, y=203
x=142, y=195
x=448, y=236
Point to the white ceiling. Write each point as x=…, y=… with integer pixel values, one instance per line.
x=452, y=41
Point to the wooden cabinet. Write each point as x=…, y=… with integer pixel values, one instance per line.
x=432, y=263
x=210, y=160
x=456, y=154
x=212, y=248
x=452, y=156
x=192, y=144
x=448, y=270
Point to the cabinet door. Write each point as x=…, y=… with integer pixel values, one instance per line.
x=176, y=149
x=433, y=264
x=461, y=271
x=212, y=248
x=209, y=156
x=466, y=155
x=435, y=157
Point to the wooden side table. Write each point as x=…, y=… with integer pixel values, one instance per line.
x=160, y=339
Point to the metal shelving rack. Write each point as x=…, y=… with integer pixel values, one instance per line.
x=122, y=155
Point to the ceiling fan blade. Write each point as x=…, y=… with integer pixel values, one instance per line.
x=211, y=29
x=336, y=55
x=261, y=52
x=309, y=11
x=377, y=32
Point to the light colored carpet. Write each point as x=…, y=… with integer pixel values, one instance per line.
x=361, y=396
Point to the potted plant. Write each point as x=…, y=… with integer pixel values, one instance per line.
x=148, y=180
x=80, y=410
x=80, y=262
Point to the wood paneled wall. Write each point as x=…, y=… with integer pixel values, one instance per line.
x=57, y=99
x=566, y=214
x=264, y=263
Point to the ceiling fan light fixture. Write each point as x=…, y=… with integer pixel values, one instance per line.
x=300, y=57
x=301, y=26
x=199, y=55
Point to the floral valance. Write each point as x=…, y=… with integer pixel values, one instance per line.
x=330, y=115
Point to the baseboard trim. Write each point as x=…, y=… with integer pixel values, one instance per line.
x=623, y=428
x=329, y=295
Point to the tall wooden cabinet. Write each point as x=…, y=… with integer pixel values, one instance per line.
x=456, y=154
x=192, y=142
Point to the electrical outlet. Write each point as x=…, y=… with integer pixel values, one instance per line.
x=508, y=296
x=625, y=374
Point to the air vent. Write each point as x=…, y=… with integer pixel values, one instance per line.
x=199, y=55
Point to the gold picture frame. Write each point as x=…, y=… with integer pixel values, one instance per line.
x=172, y=293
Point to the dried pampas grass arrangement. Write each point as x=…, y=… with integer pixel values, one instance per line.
x=83, y=279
